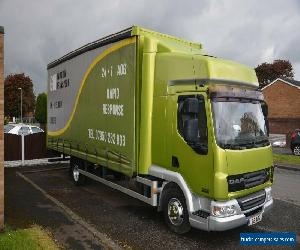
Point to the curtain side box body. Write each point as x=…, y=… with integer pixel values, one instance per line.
x=92, y=105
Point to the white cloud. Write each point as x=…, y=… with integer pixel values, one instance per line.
x=268, y=54
x=250, y=32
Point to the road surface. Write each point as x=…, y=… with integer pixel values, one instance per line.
x=287, y=185
x=133, y=224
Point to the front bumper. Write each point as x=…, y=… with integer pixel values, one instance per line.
x=212, y=223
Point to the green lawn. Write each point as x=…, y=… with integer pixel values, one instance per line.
x=33, y=238
x=290, y=159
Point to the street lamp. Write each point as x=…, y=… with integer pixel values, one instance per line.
x=21, y=105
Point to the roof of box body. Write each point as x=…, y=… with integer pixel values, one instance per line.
x=91, y=46
x=139, y=31
x=132, y=31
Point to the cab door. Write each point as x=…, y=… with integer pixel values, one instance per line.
x=191, y=152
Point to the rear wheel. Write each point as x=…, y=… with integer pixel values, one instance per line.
x=175, y=210
x=296, y=150
x=76, y=176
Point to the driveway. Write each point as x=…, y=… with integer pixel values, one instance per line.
x=24, y=206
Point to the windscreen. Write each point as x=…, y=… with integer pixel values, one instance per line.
x=239, y=123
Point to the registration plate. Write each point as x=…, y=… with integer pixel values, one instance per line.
x=254, y=219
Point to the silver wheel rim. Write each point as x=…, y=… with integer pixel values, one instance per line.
x=75, y=173
x=297, y=150
x=175, y=212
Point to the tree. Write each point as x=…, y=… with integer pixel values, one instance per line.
x=41, y=108
x=12, y=95
x=268, y=72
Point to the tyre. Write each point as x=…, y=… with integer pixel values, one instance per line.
x=77, y=178
x=175, y=210
x=296, y=150
x=118, y=176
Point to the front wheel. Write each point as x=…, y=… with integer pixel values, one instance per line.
x=296, y=150
x=175, y=211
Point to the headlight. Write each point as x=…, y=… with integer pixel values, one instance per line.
x=268, y=194
x=223, y=211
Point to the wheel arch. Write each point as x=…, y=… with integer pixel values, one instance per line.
x=173, y=178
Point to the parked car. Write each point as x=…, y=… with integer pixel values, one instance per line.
x=8, y=127
x=19, y=129
x=295, y=142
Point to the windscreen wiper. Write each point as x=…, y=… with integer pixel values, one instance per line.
x=250, y=144
x=230, y=146
x=264, y=142
x=255, y=143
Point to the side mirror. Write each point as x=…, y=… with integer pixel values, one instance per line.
x=265, y=109
x=267, y=127
x=190, y=132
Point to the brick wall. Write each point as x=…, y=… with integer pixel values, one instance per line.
x=283, y=125
x=1, y=128
x=284, y=102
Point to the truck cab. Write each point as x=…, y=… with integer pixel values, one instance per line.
x=212, y=130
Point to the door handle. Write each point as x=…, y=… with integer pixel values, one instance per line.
x=175, y=162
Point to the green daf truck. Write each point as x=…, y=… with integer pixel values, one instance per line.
x=155, y=117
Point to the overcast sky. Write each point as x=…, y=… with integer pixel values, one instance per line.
x=248, y=31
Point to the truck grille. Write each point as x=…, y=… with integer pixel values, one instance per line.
x=252, y=200
x=247, y=180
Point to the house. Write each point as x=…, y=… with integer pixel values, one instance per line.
x=283, y=98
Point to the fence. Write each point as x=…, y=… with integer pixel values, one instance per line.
x=34, y=147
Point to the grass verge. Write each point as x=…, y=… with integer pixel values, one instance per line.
x=288, y=159
x=32, y=238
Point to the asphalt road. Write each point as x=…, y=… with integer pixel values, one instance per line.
x=287, y=186
x=133, y=224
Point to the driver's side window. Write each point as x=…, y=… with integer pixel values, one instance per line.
x=192, y=122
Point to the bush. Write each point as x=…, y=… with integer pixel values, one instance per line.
x=41, y=108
